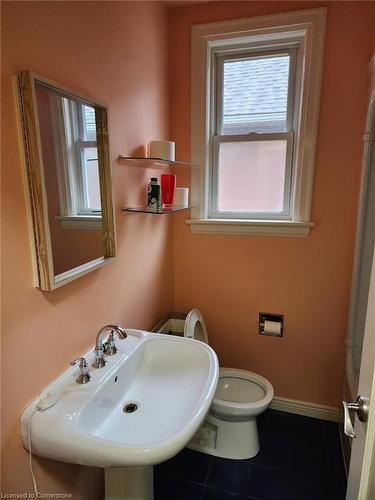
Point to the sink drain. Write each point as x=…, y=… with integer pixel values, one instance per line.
x=130, y=407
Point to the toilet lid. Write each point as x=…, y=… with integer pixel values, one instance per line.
x=195, y=327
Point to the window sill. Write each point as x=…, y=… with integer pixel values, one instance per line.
x=279, y=228
x=90, y=222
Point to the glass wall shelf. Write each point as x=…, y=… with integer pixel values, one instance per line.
x=154, y=161
x=157, y=211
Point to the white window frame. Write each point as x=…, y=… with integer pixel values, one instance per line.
x=217, y=137
x=302, y=29
x=83, y=195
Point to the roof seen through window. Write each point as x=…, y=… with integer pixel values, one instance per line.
x=255, y=94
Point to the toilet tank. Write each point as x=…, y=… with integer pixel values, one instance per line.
x=172, y=324
x=189, y=325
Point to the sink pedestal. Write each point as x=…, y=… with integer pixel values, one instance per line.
x=129, y=483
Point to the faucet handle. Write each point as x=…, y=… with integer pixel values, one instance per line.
x=82, y=362
x=99, y=360
x=109, y=346
x=83, y=376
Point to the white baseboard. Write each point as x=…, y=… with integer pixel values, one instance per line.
x=307, y=409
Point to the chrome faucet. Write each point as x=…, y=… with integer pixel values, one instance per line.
x=83, y=377
x=109, y=346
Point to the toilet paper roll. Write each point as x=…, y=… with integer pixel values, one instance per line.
x=162, y=149
x=181, y=197
x=273, y=327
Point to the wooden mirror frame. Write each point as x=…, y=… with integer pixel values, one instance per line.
x=36, y=188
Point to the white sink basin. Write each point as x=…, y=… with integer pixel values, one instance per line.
x=172, y=380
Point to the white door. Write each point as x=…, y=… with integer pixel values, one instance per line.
x=361, y=481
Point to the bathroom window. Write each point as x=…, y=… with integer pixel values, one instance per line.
x=252, y=141
x=255, y=104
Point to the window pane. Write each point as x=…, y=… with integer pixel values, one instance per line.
x=251, y=176
x=255, y=94
x=91, y=178
x=89, y=123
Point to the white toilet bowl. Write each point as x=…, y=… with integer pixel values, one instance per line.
x=230, y=429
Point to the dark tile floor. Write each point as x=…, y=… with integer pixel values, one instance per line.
x=300, y=459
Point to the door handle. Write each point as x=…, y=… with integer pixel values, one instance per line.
x=360, y=407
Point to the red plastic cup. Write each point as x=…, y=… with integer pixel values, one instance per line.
x=168, y=188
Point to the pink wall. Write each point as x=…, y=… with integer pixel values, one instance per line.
x=232, y=278
x=115, y=52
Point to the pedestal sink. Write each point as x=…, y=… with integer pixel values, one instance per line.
x=139, y=410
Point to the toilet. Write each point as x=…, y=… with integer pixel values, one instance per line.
x=230, y=429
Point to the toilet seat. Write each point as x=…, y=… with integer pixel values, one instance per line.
x=195, y=327
x=245, y=400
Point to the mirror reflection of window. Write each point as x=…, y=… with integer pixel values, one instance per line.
x=74, y=130
x=87, y=157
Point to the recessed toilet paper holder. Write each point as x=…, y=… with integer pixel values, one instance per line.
x=271, y=324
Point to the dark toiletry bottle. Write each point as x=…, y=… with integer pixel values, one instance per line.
x=153, y=193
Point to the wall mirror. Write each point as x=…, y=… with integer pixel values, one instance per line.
x=66, y=150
